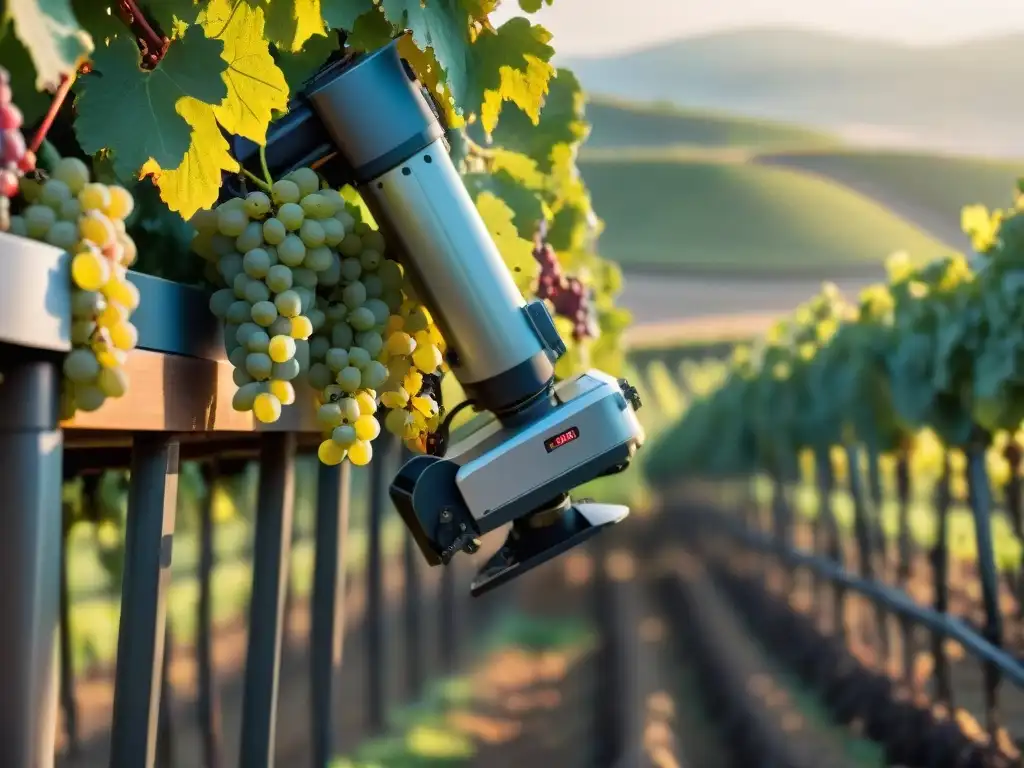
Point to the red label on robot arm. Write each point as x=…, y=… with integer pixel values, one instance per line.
x=562, y=438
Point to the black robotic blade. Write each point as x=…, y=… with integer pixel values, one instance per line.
x=529, y=545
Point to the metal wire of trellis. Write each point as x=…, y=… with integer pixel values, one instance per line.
x=889, y=667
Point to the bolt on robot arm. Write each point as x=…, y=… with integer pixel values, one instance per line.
x=366, y=120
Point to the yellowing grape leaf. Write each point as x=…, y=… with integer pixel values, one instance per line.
x=256, y=86
x=51, y=33
x=195, y=182
x=516, y=252
x=526, y=89
x=561, y=122
x=574, y=226
x=342, y=14
x=291, y=23
x=564, y=180
x=511, y=63
x=525, y=204
x=136, y=113
x=515, y=179
x=443, y=26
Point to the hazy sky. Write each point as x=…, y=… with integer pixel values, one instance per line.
x=604, y=26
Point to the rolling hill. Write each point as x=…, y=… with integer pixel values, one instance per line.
x=677, y=215
x=616, y=123
x=929, y=190
x=953, y=98
x=926, y=190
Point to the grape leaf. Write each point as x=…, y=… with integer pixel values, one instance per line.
x=342, y=14
x=532, y=6
x=516, y=252
x=135, y=113
x=291, y=23
x=515, y=179
x=100, y=20
x=520, y=166
x=511, y=64
x=575, y=227
x=480, y=9
x=526, y=89
x=14, y=57
x=256, y=87
x=525, y=204
x=441, y=25
x=161, y=237
x=561, y=122
x=194, y=182
x=50, y=32
x=370, y=32
x=571, y=227
x=299, y=67
x=564, y=181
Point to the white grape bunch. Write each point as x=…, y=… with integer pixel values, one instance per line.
x=271, y=253
x=87, y=219
x=307, y=295
x=381, y=364
x=375, y=347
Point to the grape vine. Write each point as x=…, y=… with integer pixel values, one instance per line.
x=156, y=87
x=933, y=358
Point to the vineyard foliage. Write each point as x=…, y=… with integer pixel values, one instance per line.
x=159, y=86
x=932, y=360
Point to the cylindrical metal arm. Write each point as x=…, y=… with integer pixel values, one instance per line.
x=375, y=112
x=459, y=274
x=390, y=143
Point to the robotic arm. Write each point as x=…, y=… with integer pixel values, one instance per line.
x=365, y=120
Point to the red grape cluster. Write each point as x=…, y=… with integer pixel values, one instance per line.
x=568, y=295
x=15, y=157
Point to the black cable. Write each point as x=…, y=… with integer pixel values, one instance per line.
x=437, y=442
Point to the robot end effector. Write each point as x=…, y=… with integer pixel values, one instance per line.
x=365, y=120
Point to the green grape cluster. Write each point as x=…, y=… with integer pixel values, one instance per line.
x=270, y=252
x=68, y=210
x=308, y=295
